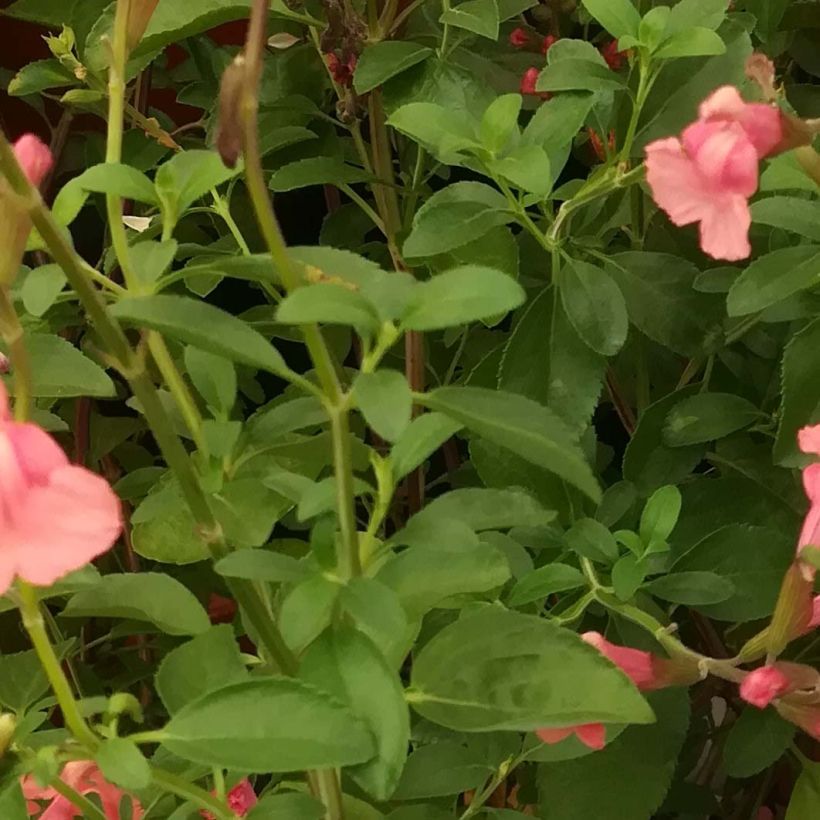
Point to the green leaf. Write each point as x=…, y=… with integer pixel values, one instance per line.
x=328, y=303
x=591, y=539
x=627, y=576
x=347, y=664
x=59, y=370
x=692, y=42
x=22, y=680
x=120, y=180
x=691, y=588
x=556, y=122
x=204, y=664
x=474, y=207
x=122, y=763
x=287, y=806
x=618, y=17
x=480, y=509
x=423, y=436
x=214, y=378
x=499, y=670
x=426, y=578
x=753, y=559
x=381, y=61
x=790, y=213
x=521, y=425
x=316, y=171
x=574, y=74
x=706, y=417
x=41, y=287
x=39, y=76
x=648, y=462
x=628, y=778
x=800, y=402
x=652, y=28
x=545, y=581
x=757, y=740
x=12, y=803
x=774, y=277
x=441, y=769
x=307, y=610
x=805, y=795
x=187, y=177
x=460, y=296
x=201, y=325
x=151, y=260
x=527, y=168
x=478, y=16
x=271, y=423
x=569, y=376
x=445, y=133
x=269, y=725
x=500, y=122
x=147, y=596
x=261, y=565
x=784, y=173
x=385, y=401
x=661, y=301
x=687, y=13
x=595, y=307
x=660, y=515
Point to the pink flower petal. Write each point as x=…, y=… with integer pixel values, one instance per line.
x=724, y=228
x=37, y=452
x=64, y=525
x=592, y=735
x=675, y=183
x=763, y=685
x=808, y=438
x=635, y=663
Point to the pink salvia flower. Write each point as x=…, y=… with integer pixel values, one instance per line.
x=85, y=778
x=54, y=517
x=708, y=175
x=808, y=439
x=763, y=685
x=549, y=41
x=241, y=799
x=592, y=735
x=638, y=665
x=15, y=225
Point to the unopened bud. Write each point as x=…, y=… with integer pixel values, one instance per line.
x=760, y=70
x=8, y=725
x=36, y=162
x=792, y=613
x=139, y=16
x=229, y=133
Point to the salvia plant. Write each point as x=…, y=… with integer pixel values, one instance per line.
x=427, y=426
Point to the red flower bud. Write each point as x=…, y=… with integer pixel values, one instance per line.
x=529, y=79
x=342, y=73
x=519, y=38
x=549, y=41
x=221, y=610
x=614, y=58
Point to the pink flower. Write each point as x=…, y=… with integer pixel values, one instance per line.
x=638, y=665
x=519, y=38
x=241, y=799
x=645, y=670
x=709, y=174
x=808, y=439
x=763, y=685
x=592, y=735
x=529, y=79
x=54, y=517
x=15, y=225
x=806, y=716
x=34, y=157
x=85, y=778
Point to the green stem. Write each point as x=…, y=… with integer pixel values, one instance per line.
x=179, y=390
x=645, y=82
x=224, y=211
x=88, y=809
x=12, y=332
x=350, y=565
x=113, y=151
x=360, y=201
x=192, y=793
x=35, y=626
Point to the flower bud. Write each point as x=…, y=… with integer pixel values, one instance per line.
x=36, y=161
x=139, y=16
x=519, y=38
x=760, y=70
x=792, y=612
x=804, y=715
x=8, y=725
x=229, y=132
x=763, y=685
